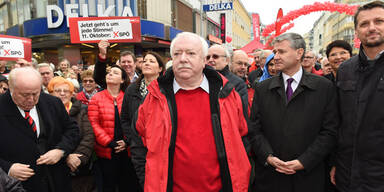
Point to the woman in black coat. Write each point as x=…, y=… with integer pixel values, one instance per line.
x=152, y=68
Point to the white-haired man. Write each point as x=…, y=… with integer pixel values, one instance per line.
x=46, y=72
x=36, y=134
x=194, y=142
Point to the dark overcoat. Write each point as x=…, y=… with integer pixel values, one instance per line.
x=302, y=128
x=18, y=144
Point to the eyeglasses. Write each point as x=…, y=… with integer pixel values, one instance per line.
x=308, y=57
x=214, y=56
x=88, y=81
x=61, y=90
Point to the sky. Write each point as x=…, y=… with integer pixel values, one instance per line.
x=267, y=10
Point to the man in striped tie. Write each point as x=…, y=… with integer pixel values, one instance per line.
x=36, y=134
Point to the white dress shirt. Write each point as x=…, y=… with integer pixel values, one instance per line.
x=296, y=79
x=35, y=117
x=204, y=85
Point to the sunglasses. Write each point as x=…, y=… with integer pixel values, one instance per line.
x=88, y=81
x=214, y=56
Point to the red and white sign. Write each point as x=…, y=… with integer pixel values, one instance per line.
x=256, y=26
x=13, y=48
x=113, y=29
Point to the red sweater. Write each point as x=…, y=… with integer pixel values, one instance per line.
x=196, y=165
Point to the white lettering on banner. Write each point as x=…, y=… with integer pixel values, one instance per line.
x=105, y=29
x=11, y=48
x=71, y=10
x=220, y=6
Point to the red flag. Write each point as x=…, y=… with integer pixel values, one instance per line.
x=278, y=22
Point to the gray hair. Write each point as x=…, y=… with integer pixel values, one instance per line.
x=227, y=54
x=264, y=53
x=296, y=41
x=26, y=70
x=204, y=44
x=40, y=65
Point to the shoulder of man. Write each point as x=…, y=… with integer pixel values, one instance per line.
x=349, y=64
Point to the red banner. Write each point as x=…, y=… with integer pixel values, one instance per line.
x=256, y=26
x=113, y=29
x=13, y=48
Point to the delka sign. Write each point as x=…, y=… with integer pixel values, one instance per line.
x=218, y=7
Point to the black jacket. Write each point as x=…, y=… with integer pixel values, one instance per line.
x=240, y=87
x=360, y=159
x=131, y=102
x=9, y=184
x=100, y=72
x=20, y=145
x=302, y=128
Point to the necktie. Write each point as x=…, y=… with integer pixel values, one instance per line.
x=289, y=91
x=31, y=123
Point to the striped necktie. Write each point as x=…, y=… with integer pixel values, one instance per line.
x=31, y=123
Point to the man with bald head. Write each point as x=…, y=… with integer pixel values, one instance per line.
x=36, y=134
x=239, y=64
x=218, y=57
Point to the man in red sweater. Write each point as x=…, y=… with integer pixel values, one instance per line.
x=187, y=135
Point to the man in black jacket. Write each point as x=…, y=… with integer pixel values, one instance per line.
x=218, y=57
x=36, y=134
x=293, y=123
x=360, y=82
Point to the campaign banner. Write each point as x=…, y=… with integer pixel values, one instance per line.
x=113, y=29
x=13, y=48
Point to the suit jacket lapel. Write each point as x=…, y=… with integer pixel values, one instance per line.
x=278, y=84
x=16, y=119
x=305, y=82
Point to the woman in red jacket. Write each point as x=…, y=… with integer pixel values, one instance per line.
x=104, y=114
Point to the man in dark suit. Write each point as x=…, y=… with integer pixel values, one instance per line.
x=293, y=124
x=36, y=134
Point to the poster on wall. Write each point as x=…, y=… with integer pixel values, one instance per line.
x=113, y=29
x=13, y=48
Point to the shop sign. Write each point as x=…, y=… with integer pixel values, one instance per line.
x=72, y=10
x=218, y=7
x=215, y=39
x=113, y=29
x=13, y=48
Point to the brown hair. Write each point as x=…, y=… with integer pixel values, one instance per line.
x=365, y=7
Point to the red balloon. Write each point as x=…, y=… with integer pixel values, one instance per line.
x=228, y=39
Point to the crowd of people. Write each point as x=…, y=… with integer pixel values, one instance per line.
x=291, y=121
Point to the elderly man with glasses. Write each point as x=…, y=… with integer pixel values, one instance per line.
x=218, y=57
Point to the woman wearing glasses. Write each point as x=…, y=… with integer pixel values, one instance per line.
x=78, y=161
x=89, y=87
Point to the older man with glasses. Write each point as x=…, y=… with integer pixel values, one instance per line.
x=218, y=57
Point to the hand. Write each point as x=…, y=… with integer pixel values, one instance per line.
x=20, y=171
x=280, y=166
x=103, y=45
x=332, y=175
x=295, y=165
x=51, y=157
x=73, y=161
x=120, y=146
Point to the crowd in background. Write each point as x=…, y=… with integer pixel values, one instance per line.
x=209, y=120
